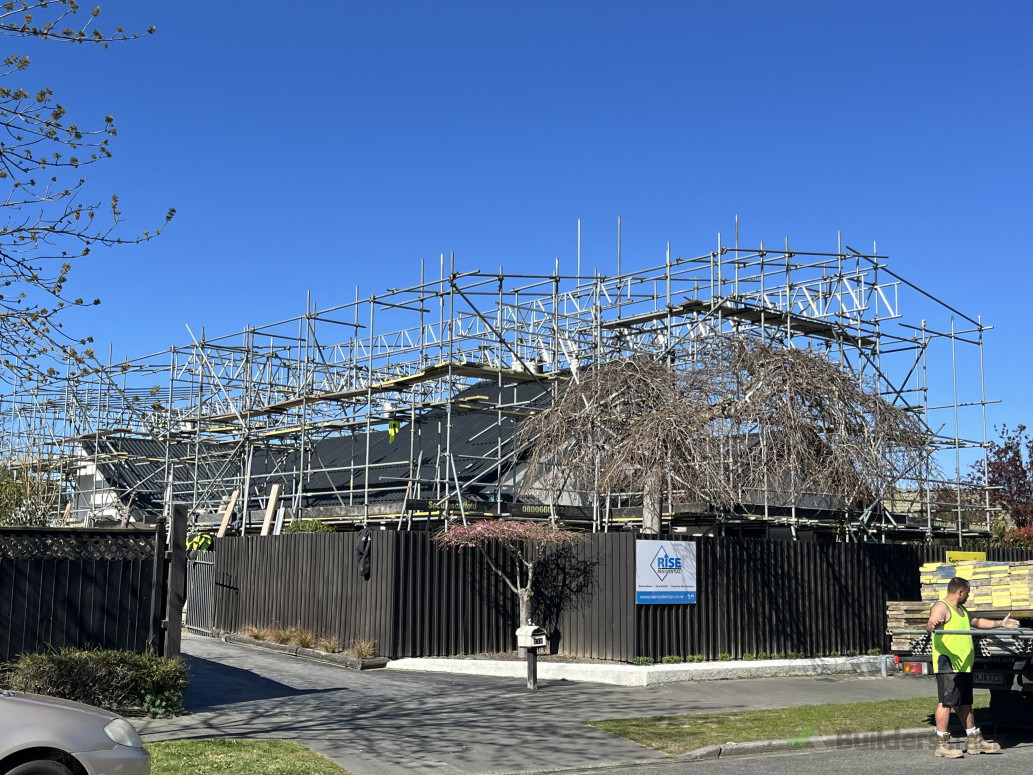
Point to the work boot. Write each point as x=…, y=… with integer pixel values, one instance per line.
x=943, y=748
x=978, y=744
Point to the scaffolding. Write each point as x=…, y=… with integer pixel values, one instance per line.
x=215, y=423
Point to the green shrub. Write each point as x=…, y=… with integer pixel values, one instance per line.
x=797, y=655
x=874, y=652
x=108, y=678
x=747, y=657
x=696, y=658
x=308, y=526
x=642, y=661
x=762, y=655
x=167, y=705
x=672, y=659
x=851, y=652
x=725, y=657
x=833, y=653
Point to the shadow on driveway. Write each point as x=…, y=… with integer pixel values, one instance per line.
x=214, y=684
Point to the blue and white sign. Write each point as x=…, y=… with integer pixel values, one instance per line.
x=665, y=572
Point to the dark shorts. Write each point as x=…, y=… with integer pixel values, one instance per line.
x=954, y=689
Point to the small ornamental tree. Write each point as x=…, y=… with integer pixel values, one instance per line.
x=523, y=546
x=1009, y=474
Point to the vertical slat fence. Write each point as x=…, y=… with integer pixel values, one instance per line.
x=421, y=600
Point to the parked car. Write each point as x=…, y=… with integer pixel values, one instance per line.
x=47, y=736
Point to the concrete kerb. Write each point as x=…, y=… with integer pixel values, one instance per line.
x=892, y=739
x=649, y=675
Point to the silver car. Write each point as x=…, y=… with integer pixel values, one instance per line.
x=47, y=736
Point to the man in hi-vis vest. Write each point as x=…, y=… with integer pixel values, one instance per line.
x=953, y=656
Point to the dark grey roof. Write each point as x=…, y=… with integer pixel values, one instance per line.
x=476, y=437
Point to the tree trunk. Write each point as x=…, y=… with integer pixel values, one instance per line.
x=652, y=504
x=524, y=596
x=525, y=607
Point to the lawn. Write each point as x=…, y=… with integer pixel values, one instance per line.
x=681, y=734
x=237, y=757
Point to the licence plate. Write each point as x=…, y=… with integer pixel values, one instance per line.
x=985, y=678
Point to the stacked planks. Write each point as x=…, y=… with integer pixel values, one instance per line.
x=906, y=615
x=993, y=585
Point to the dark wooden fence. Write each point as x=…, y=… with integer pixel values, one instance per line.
x=417, y=600
x=64, y=587
x=420, y=600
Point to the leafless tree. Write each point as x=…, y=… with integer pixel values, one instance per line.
x=44, y=220
x=743, y=419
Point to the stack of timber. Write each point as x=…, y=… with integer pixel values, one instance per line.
x=906, y=615
x=994, y=585
x=909, y=615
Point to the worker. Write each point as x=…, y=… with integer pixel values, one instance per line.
x=953, y=657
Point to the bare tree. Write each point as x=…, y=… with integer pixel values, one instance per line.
x=523, y=546
x=744, y=419
x=44, y=220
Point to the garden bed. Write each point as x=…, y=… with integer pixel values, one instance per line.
x=337, y=658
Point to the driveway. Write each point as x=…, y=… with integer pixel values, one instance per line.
x=381, y=722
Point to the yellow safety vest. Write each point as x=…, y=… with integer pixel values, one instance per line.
x=958, y=648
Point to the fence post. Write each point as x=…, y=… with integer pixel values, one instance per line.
x=155, y=634
x=177, y=581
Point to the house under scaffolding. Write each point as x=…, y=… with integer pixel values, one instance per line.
x=401, y=409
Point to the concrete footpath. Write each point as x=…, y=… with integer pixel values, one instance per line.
x=648, y=675
x=387, y=721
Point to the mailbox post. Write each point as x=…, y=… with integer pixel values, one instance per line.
x=531, y=638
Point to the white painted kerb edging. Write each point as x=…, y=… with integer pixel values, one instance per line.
x=634, y=675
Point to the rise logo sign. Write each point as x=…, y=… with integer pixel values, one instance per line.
x=664, y=564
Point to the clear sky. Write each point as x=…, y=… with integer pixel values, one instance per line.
x=334, y=144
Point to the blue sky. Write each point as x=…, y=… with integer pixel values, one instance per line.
x=338, y=144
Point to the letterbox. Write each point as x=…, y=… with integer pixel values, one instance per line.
x=531, y=637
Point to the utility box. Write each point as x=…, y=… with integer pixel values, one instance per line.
x=531, y=637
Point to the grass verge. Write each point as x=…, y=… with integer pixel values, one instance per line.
x=681, y=734
x=237, y=757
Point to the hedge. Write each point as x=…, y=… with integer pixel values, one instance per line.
x=118, y=680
